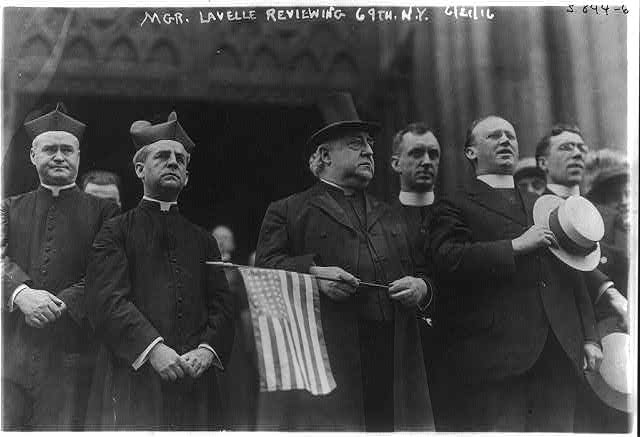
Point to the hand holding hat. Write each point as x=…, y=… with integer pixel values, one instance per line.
x=577, y=227
x=612, y=380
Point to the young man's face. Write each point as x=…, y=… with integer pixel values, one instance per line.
x=417, y=162
x=56, y=158
x=564, y=161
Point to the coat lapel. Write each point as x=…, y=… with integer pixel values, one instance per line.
x=491, y=199
x=327, y=204
x=375, y=210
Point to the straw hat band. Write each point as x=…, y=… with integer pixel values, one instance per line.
x=567, y=236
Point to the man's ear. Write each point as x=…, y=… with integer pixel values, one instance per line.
x=32, y=155
x=186, y=179
x=325, y=156
x=139, y=168
x=470, y=153
x=395, y=163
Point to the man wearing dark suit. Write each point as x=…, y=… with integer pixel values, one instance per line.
x=561, y=155
x=415, y=158
x=519, y=325
x=46, y=239
x=336, y=230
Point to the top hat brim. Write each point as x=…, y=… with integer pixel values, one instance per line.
x=336, y=129
x=616, y=349
x=541, y=211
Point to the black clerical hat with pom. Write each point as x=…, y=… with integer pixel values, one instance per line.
x=56, y=120
x=144, y=133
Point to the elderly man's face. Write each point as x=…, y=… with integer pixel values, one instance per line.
x=564, y=162
x=164, y=171
x=417, y=162
x=495, y=147
x=108, y=191
x=352, y=160
x=56, y=159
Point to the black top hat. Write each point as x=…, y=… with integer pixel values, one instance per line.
x=56, y=120
x=340, y=116
x=144, y=133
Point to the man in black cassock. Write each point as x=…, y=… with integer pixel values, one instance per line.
x=46, y=239
x=164, y=316
x=415, y=158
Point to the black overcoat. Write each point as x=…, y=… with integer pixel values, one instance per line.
x=310, y=227
x=497, y=308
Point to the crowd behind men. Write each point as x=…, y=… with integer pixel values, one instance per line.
x=484, y=319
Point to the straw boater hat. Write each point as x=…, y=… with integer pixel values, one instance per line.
x=577, y=226
x=340, y=116
x=612, y=381
x=144, y=133
x=55, y=121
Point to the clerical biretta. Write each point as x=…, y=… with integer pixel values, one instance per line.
x=46, y=239
x=163, y=315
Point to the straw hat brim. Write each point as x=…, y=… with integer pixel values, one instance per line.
x=616, y=345
x=541, y=210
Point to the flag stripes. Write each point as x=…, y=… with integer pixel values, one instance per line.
x=285, y=311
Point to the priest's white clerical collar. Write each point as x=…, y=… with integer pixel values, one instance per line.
x=333, y=184
x=410, y=198
x=497, y=180
x=564, y=191
x=55, y=189
x=164, y=206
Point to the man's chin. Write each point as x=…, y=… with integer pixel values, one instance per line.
x=58, y=179
x=422, y=187
x=365, y=176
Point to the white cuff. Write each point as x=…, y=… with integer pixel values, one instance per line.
x=216, y=358
x=426, y=301
x=604, y=287
x=15, y=293
x=144, y=356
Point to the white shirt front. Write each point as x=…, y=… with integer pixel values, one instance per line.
x=410, y=198
x=55, y=189
x=164, y=206
x=564, y=191
x=498, y=180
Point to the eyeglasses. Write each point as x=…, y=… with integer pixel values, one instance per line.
x=570, y=147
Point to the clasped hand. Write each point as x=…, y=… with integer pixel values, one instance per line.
x=39, y=307
x=171, y=366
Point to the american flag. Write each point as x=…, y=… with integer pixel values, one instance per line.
x=285, y=312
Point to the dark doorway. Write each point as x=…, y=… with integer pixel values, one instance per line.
x=246, y=156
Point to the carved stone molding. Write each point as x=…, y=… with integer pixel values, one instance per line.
x=107, y=51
